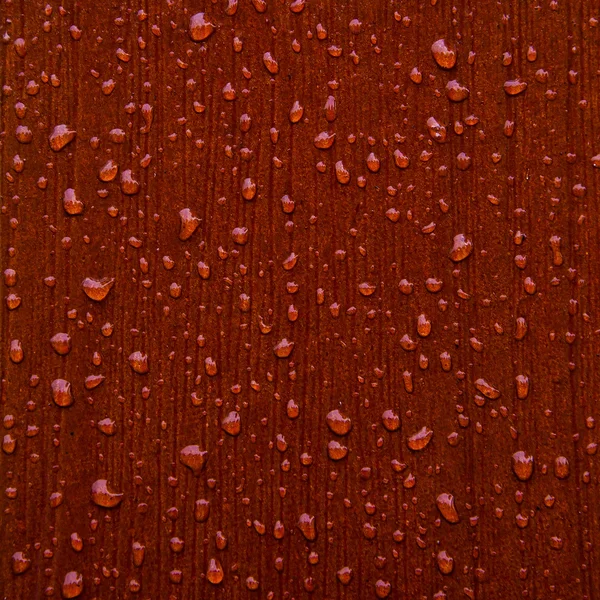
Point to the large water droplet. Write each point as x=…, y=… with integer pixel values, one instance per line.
x=139, y=362
x=444, y=55
x=193, y=458
x=461, y=248
x=232, y=423
x=200, y=27
x=214, y=573
x=445, y=504
x=421, y=439
x=283, y=348
x=522, y=465
x=338, y=423
x=61, y=135
x=189, y=224
x=104, y=497
x=72, y=585
x=20, y=563
x=97, y=289
x=61, y=343
x=61, y=393
x=306, y=524
x=513, y=87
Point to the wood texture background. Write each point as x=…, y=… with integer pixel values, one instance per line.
x=135, y=88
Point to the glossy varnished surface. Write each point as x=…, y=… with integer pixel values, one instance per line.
x=299, y=299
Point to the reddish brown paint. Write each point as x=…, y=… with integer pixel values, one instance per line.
x=221, y=224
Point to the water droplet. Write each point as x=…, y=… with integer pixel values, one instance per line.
x=200, y=27
x=97, y=289
x=330, y=109
x=373, y=163
x=366, y=288
x=109, y=171
x=9, y=444
x=203, y=270
x=382, y=588
x=72, y=205
x=193, y=458
x=72, y=585
x=445, y=563
x=324, y=140
x=296, y=112
x=240, y=235
x=461, y=248
x=61, y=135
x=61, y=343
x=201, y=510
x=436, y=130
x=423, y=325
x=107, y=426
x=138, y=552
x=102, y=496
x=513, y=87
x=283, y=348
x=390, y=420
x=336, y=451
x=306, y=524
x=61, y=393
x=401, y=160
x=231, y=9
x=139, y=362
x=522, y=465
x=129, y=185
x=456, y=92
x=487, y=390
x=20, y=563
x=561, y=467
x=443, y=54
x=341, y=173
x=421, y=439
x=344, y=575
x=522, y=385
x=270, y=63
x=445, y=504
x=232, y=424
x=248, y=189
x=189, y=224
x=338, y=423
x=16, y=352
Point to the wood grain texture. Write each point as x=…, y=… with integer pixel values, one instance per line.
x=220, y=223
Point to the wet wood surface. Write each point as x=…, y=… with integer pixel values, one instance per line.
x=299, y=299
